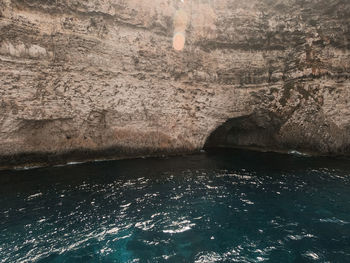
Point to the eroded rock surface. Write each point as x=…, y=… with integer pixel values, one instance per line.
x=89, y=78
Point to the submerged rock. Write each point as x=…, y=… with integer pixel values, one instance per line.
x=119, y=78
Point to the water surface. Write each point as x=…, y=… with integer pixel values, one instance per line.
x=222, y=206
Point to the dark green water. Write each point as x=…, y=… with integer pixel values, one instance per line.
x=223, y=206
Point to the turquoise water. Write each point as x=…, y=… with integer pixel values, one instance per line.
x=221, y=206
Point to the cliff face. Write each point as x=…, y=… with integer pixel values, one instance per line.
x=140, y=77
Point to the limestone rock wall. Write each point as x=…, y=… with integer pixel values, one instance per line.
x=105, y=74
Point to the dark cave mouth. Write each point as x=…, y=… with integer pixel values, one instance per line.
x=262, y=131
x=246, y=132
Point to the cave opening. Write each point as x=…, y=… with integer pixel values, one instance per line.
x=251, y=131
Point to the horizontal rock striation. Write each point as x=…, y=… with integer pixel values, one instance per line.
x=88, y=79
